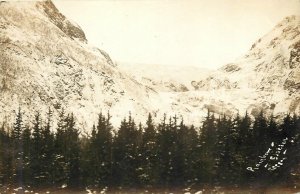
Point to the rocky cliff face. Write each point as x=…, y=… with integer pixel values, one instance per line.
x=46, y=63
x=59, y=20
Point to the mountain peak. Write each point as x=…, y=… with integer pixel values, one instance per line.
x=29, y=11
x=281, y=37
x=69, y=28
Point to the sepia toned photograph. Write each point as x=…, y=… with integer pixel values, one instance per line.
x=150, y=96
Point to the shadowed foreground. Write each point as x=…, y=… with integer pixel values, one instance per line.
x=158, y=191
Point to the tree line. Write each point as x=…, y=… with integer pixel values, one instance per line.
x=224, y=151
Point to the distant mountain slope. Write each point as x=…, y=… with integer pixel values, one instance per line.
x=165, y=78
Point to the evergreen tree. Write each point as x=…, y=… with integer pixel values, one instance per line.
x=165, y=143
x=260, y=130
x=171, y=157
x=148, y=174
x=89, y=160
x=27, y=145
x=190, y=140
x=208, y=142
x=47, y=150
x=178, y=152
x=126, y=148
x=245, y=149
x=72, y=152
x=60, y=150
x=36, y=151
x=273, y=130
x=17, y=129
x=104, y=141
x=17, y=147
x=225, y=151
x=187, y=141
x=100, y=151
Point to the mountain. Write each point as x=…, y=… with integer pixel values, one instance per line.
x=46, y=62
x=266, y=78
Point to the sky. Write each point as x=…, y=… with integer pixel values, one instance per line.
x=202, y=33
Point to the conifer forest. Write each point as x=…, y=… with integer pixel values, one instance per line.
x=222, y=151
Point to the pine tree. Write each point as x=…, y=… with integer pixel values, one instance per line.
x=208, y=142
x=101, y=151
x=18, y=126
x=72, y=152
x=17, y=154
x=60, y=150
x=89, y=160
x=224, y=150
x=148, y=174
x=165, y=143
x=47, y=150
x=36, y=152
x=187, y=141
x=190, y=140
x=179, y=148
x=260, y=130
x=126, y=148
x=27, y=149
x=273, y=130
x=245, y=149
x=288, y=127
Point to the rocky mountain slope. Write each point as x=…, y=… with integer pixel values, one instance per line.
x=267, y=77
x=46, y=62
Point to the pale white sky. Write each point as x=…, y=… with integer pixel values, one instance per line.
x=203, y=33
